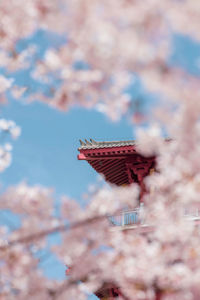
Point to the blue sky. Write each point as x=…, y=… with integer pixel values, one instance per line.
x=46, y=152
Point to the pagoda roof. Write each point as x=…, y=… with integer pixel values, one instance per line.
x=118, y=161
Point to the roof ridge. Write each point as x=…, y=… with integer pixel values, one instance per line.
x=92, y=144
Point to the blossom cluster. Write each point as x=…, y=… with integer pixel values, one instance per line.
x=108, y=41
x=7, y=127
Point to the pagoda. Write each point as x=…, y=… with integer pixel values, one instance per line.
x=121, y=165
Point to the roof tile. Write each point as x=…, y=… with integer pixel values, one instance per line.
x=92, y=144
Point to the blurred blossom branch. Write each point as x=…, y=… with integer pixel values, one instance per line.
x=41, y=234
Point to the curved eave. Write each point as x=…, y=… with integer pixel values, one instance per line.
x=117, y=161
x=109, y=161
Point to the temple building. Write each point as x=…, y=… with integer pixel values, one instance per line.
x=121, y=165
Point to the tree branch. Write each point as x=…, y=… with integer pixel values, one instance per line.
x=59, y=228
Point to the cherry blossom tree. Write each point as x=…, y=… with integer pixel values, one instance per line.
x=113, y=41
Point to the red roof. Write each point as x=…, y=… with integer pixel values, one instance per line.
x=118, y=161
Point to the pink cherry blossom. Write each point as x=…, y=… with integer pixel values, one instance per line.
x=157, y=258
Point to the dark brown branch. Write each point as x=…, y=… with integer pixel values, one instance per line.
x=60, y=228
